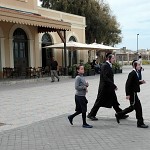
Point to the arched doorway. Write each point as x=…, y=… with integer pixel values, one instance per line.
x=72, y=55
x=47, y=53
x=20, y=50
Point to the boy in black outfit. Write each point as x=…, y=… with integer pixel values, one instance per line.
x=132, y=88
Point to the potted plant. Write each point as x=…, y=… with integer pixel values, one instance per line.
x=87, y=69
x=117, y=68
x=74, y=72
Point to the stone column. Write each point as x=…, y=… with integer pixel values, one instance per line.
x=2, y=53
x=11, y=56
x=31, y=52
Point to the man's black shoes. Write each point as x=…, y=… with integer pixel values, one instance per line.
x=117, y=118
x=93, y=118
x=70, y=120
x=142, y=126
x=124, y=117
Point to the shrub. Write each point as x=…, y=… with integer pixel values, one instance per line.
x=145, y=62
x=116, y=66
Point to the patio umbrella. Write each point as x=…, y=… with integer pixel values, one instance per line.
x=101, y=46
x=71, y=45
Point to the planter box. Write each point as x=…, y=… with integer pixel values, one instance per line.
x=85, y=73
x=118, y=71
x=91, y=72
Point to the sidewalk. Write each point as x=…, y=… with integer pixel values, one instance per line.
x=57, y=134
x=35, y=117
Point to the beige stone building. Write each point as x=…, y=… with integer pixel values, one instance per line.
x=25, y=28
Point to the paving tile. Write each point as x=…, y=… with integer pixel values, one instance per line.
x=34, y=117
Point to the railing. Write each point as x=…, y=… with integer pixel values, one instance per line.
x=29, y=72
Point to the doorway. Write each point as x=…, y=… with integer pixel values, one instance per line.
x=20, y=50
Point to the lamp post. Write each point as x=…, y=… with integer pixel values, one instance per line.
x=137, y=43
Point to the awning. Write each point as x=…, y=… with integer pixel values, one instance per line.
x=44, y=24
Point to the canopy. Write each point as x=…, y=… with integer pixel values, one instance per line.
x=101, y=46
x=70, y=45
x=81, y=46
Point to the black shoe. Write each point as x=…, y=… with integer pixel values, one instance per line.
x=142, y=126
x=92, y=117
x=58, y=79
x=124, y=117
x=117, y=118
x=70, y=120
x=87, y=126
x=52, y=81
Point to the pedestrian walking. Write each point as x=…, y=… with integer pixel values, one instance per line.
x=53, y=67
x=140, y=71
x=106, y=96
x=132, y=88
x=80, y=97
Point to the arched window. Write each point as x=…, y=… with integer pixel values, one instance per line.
x=46, y=53
x=46, y=39
x=72, y=38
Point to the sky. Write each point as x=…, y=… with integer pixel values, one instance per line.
x=134, y=18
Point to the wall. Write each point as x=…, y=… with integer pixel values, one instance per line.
x=26, y=5
x=6, y=44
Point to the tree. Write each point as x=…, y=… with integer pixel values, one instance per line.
x=102, y=26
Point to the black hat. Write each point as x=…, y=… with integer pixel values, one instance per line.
x=133, y=61
x=108, y=55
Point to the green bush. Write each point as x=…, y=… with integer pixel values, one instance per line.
x=116, y=66
x=145, y=62
x=87, y=67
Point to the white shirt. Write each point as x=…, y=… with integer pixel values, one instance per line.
x=109, y=63
x=136, y=72
x=140, y=61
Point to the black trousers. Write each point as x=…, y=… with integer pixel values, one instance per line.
x=97, y=105
x=135, y=104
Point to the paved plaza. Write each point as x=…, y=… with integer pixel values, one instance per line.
x=33, y=116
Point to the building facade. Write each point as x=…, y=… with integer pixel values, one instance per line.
x=26, y=28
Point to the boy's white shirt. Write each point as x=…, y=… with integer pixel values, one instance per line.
x=136, y=72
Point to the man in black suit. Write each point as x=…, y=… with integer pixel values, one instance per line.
x=106, y=96
x=132, y=87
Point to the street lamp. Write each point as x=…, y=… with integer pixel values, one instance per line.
x=137, y=43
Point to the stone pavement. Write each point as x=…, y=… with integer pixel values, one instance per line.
x=33, y=116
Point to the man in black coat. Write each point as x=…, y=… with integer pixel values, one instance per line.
x=106, y=96
x=132, y=88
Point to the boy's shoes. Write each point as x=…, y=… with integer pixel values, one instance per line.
x=52, y=81
x=120, y=117
x=87, y=126
x=93, y=118
x=58, y=79
x=117, y=118
x=70, y=119
x=142, y=126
